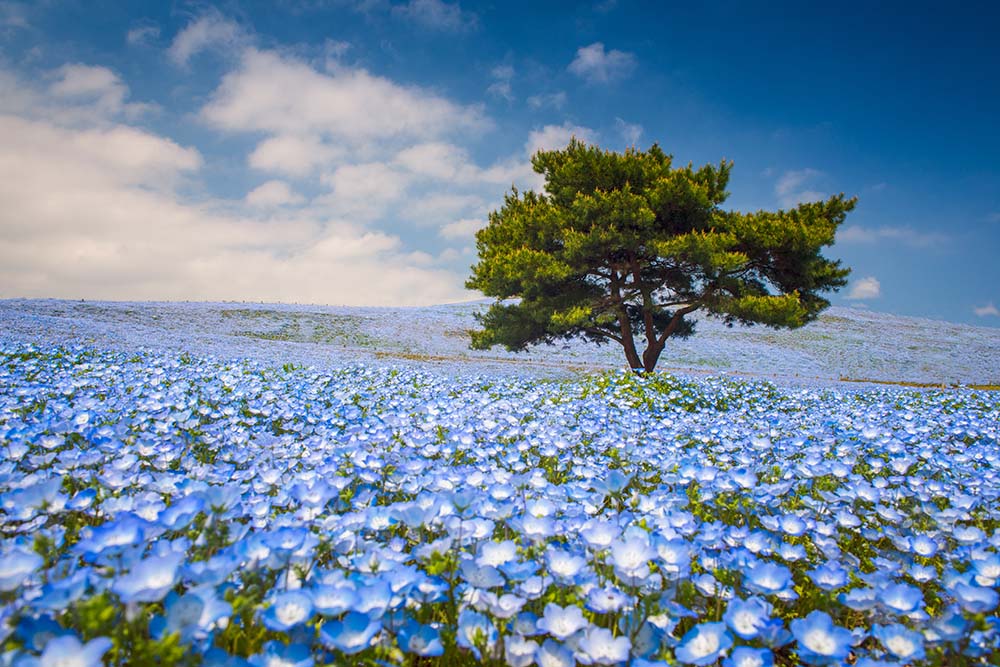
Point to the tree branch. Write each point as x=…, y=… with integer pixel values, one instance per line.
x=676, y=320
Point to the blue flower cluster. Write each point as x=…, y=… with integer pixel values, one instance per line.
x=174, y=510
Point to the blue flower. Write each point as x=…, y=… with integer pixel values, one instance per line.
x=287, y=610
x=975, y=599
x=901, y=598
x=334, y=600
x=68, y=650
x=17, y=565
x=553, y=654
x=744, y=656
x=562, y=622
x=276, y=654
x=769, y=578
x=519, y=652
x=605, y=600
x=351, y=634
x=475, y=631
x=703, y=644
x=419, y=639
x=747, y=617
x=599, y=647
x=829, y=576
x=149, y=580
x=900, y=641
x=820, y=641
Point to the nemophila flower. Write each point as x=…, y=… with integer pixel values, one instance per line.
x=674, y=556
x=769, y=579
x=333, y=600
x=504, y=606
x=287, y=610
x=703, y=644
x=747, y=617
x=181, y=513
x=554, y=654
x=374, y=597
x=17, y=565
x=59, y=594
x=631, y=557
x=481, y=576
x=351, y=634
x=562, y=622
x=419, y=639
x=519, y=651
x=793, y=525
x=987, y=568
x=475, y=632
x=744, y=656
x=496, y=554
x=519, y=570
x=975, y=599
x=829, y=576
x=820, y=642
x=113, y=536
x=900, y=641
x=563, y=565
x=192, y=615
x=599, y=646
x=924, y=546
x=599, y=534
x=859, y=599
x=149, y=579
x=968, y=535
x=605, y=600
x=277, y=654
x=68, y=651
x=950, y=626
x=901, y=598
x=37, y=631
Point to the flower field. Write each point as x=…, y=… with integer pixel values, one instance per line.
x=162, y=508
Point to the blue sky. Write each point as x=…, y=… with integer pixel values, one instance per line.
x=345, y=152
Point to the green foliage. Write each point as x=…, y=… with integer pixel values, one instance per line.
x=623, y=246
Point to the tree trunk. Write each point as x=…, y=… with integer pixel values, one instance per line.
x=651, y=355
x=631, y=354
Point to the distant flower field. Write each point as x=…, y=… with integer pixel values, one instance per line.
x=175, y=510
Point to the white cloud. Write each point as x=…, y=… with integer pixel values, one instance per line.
x=273, y=194
x=431, y=209
x=142, y=34
x=284, y=96
x=866, y=288
x=552, y=137
x=905, y=235
x=13, y=15
x=96, y=212
x=100, y=86
x=989, y=310
x=595, y=65
x=793, y=188
x=210, y=31
x=437, y=15
x=501, y=87
x=556, y=100
x=294, y=155
x=630, y=132
x=463, y=229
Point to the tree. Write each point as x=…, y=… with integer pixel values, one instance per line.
x=623, y=246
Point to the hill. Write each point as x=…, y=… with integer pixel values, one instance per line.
x=843, y=343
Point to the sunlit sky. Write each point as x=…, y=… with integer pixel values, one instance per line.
x=345, y=152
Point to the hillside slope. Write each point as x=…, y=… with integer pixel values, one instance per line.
x=843, y=343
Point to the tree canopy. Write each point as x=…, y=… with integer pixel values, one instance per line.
x=624, y=247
